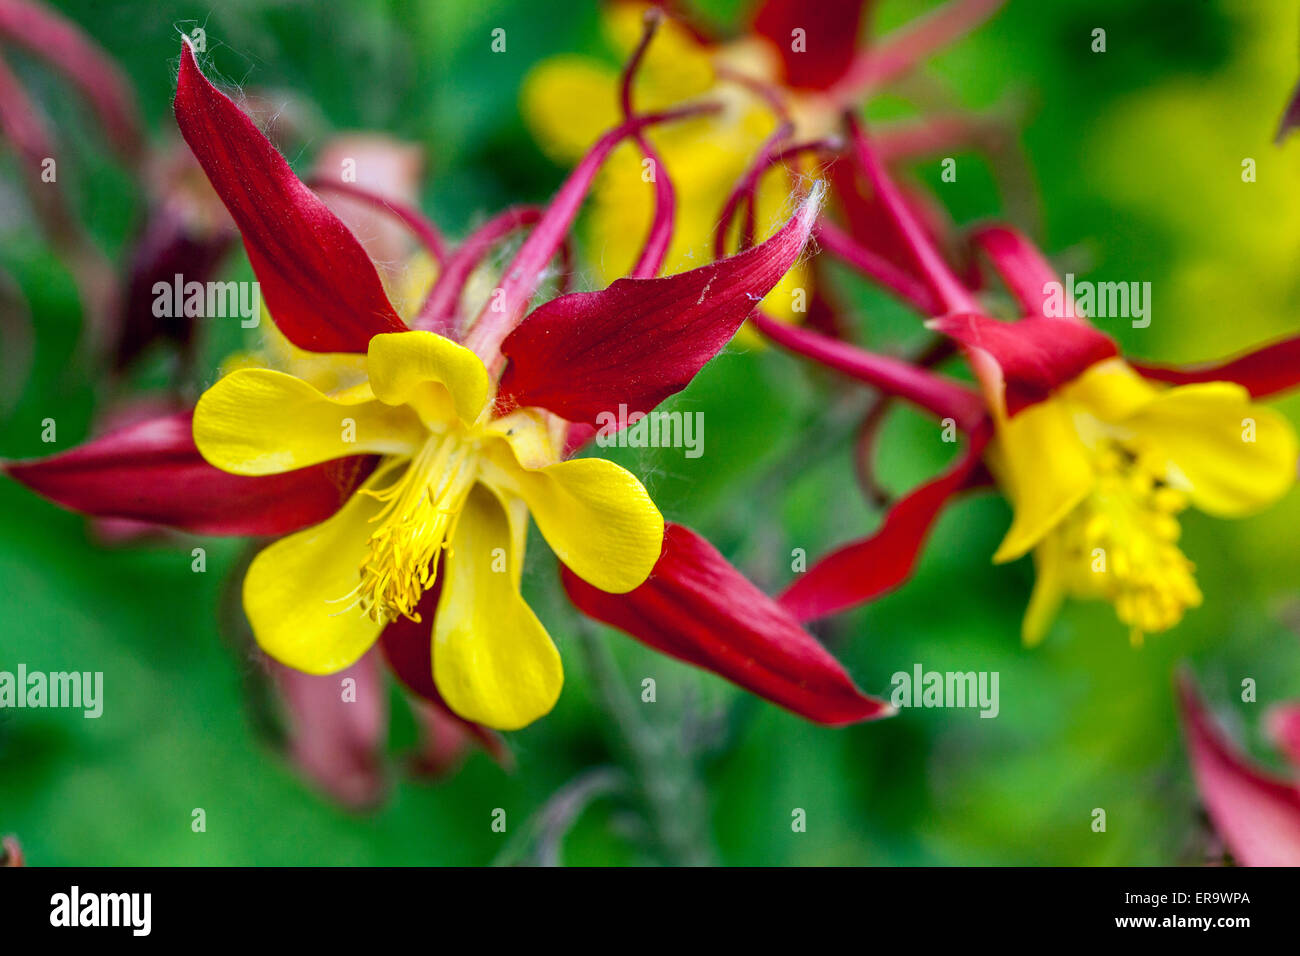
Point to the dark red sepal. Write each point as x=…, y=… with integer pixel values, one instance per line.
x=152, y=472
x=316, y=279
x=698, y=608
x=865, y=569
x=641, y=340
x=1035, y=355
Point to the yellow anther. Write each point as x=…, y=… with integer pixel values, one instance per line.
x=1130, y=517
x=416, y=523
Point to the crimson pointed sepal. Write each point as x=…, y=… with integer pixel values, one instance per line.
x=697, y=607
x=641, y=340
x=1035, y=355
x=316, y=279
x=870, y=567
x=152, y=472
x=1021, y=265
x=1263, y=371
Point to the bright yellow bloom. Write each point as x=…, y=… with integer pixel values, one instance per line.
x=1098, y=473
x=450, y=495
x=568, y=101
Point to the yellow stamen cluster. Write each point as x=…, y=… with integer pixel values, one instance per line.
x=1120, y=543
x=417, y=522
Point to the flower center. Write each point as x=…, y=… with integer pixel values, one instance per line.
x=1121, y=544
x=417, y=522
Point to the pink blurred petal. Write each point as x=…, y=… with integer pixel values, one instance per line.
x=336, y=733
x=1283, y=725
x=64, y=45
x=379, y=203
x=11, y=853
x=1257, y=815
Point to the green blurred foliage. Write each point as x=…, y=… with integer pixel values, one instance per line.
x=1086, y=721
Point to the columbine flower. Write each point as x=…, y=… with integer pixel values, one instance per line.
x=404, y=496
x=788, y=78
x=1099, y=467
x=452, y=476
x=1256, y=812
x=1096, y=456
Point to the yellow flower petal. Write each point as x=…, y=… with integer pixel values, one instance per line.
x=262, y=422
x=568, y=101
x=1049, y=590
x=401, y=364
x=298, y=592
x=596, y=516
x=493, y=661
x=532, y=434
x=517, y=511
x=1232, y=457
x=1046, y=471
x=1111, y=390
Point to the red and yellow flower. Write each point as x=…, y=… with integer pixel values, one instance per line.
x=1096, y=455
x=400, y=501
